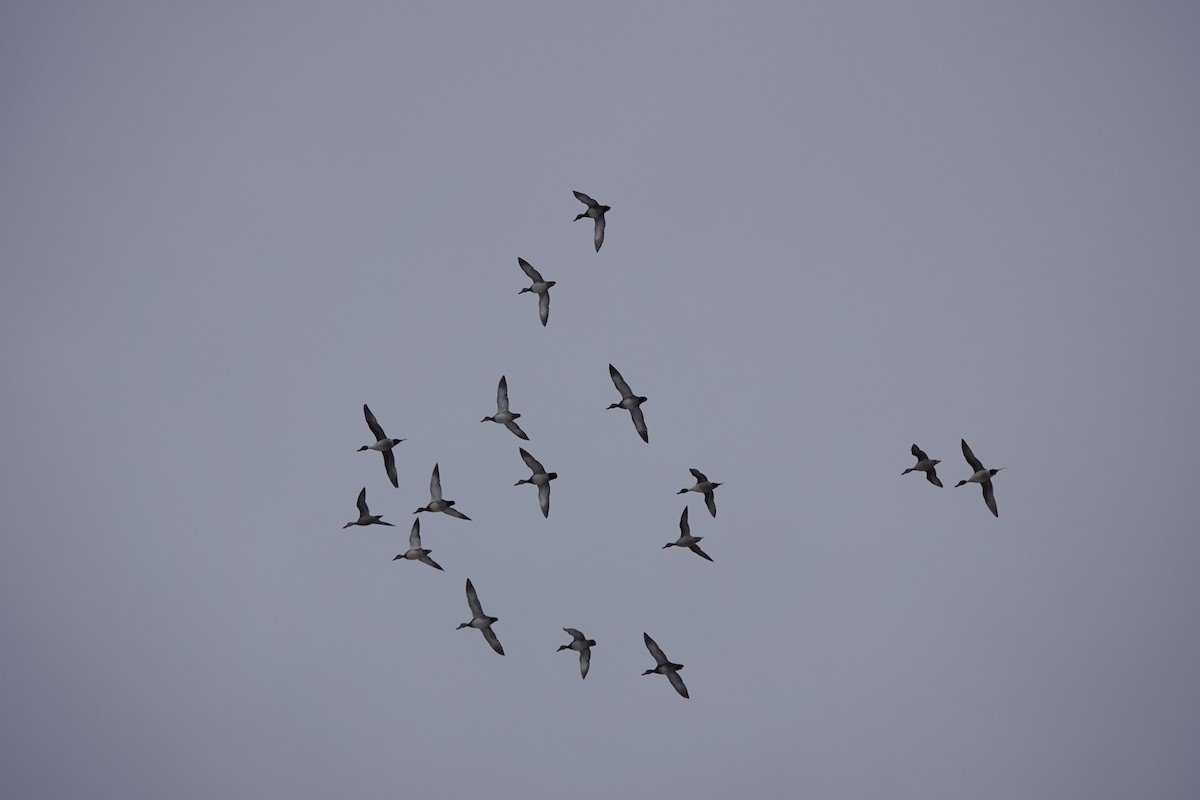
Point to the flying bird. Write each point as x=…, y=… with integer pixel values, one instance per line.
x=924, y=464
x=705, y=487
x=415, y=552
x=630, y=402
x=540, y=287
x=665, y=666
x=596, y=212
x=365, y=517
x=982, y=476
x=540, y=479
x=383, y=445
x=436, y=503
x=582, y=644
x=505, y=417
x=481, y=621
x=686, y=539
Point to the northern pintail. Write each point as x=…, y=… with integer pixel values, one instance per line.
x=365, y=517
x=686, y=539
x=505, y=417
x=540, y=479
x=383, y=445
x=665, y=666
x=631, y=402
x=924, y=464
x=480, y=620
x=582, y=644
x=596, y=212
x=705, y=487
x=415, y=552
x=540, y=287
x=982, y=476
x=436, y=503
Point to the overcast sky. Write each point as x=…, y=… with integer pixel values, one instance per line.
x=836, y=230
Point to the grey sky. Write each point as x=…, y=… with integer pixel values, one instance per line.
x=836, y=230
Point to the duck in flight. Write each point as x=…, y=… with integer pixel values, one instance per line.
x=982, y=476
x=365, y=517
x=705, y=487
x=924, y=464
x=665, y=666
x=686, y=539
x=584, y=645
x=481, y=621
x=415, y=552
x=631, y=402
x=503, y=416
x=540, y=287
x=383, y=445
x=540, y=479
x=596, y=212
x=436, y=503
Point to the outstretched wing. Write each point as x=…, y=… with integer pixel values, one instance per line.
x=389, y=465
x=533, y=274
x=585, y=661
x=544, y=499
x=619, y=382
x=639, y=423
x=454, y=512
x=698, y=475
x=544, y=307
x=435, y=484
x=425, y=559
x=414, y=536
x=710, y=500
x=490, y=635
x=531, y=462
x=362, y=502
x=654, y=649
x=696, y=549
x=473, y=600
x=989, y=497
x=575, y=634
x=933, y=478
x=677, y=682
x=583, y=198
x=684, y=528
x=373, y=424
x=516, y=429
x=971, y=459
x=599, y=235
x=919, y=453
x=502, y=395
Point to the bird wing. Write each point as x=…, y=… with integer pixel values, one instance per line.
x=373, y=424
x=490, y=635
x=544, y=499
x=575, y=634
x=454, y=512
x=502, y=395
x=696, y=549
x=531, y=462
x=414, y=536
x=971, y=459
x=425, y=559
x=599, y=235
x=435, y=484
x=619, y=382
x=639, y=423
x=654, y=649
x=544, y=307
x=473, y=600
x=516, y=429
x=362, y=502
x=677, y=682
x=583, y=198
x=698, y=475
x=533, y=274
x=585, y=661
x=684, y=528
x=933, y=478
x=389, y=465
x=989, y=497
x=919, y=453
x=710, y=500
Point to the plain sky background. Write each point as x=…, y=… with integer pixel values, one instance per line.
x=836, y=229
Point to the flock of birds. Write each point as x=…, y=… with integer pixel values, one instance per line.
x=541, y=478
